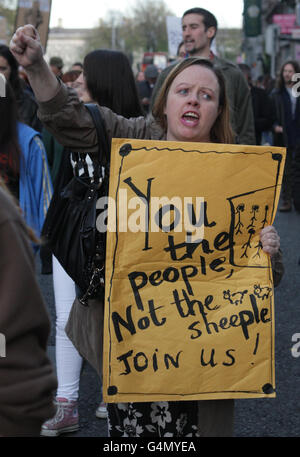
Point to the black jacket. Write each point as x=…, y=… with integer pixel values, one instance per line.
x=281, y=117
x=263, y=112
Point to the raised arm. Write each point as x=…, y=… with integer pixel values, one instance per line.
x=26, y=47
x=60, y=109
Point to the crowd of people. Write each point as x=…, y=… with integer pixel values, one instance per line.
x=44, y=123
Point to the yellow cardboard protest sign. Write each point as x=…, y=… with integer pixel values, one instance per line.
x=189, y=294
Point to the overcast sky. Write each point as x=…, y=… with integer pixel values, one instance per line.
x=85, y=13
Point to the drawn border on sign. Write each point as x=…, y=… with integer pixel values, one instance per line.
x=125, y=150
x=278, y=158
x=112, y=389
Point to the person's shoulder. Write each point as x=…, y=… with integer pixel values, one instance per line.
x=25, y=129
x=142, y=85
x=29, y=141
x=230, y=69
x=261, y=95
x=276, y=92
x=225, y=64
x=155, y=130
x=259, y=90
x=25, y=95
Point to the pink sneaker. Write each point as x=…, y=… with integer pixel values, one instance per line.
x=65, y=420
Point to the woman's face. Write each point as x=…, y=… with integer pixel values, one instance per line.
x=80, y=86
x=287, y=73
x=5, y=68
x=192, y=105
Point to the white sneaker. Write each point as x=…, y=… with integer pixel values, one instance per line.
x=101, y=411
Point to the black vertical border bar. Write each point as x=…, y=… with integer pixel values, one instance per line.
x=123, y=152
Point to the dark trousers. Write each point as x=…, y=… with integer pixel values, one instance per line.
x=216, y=418
x=46, y=259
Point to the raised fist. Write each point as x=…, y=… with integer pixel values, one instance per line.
x=26, y=46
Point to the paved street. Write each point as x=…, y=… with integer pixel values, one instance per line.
x=278, y=417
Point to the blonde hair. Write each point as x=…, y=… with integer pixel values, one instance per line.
x=221, y=131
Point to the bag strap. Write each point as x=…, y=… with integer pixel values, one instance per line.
x=100, y=126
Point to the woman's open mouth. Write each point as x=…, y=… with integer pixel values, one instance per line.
x=190, y=118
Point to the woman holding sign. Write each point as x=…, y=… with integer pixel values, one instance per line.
x=192, y=107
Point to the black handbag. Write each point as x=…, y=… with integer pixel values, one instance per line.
x=70, y=225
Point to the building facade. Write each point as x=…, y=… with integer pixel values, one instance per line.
x=69, y=44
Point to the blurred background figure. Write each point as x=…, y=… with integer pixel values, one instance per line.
x=77, y=66
x=80, y=86
x=181, y=52
x=23, y=164
x=54, y=155
x=145, y=87
x=56, y=64
x=115, y=87
x=70, y=77
x=199, y=29
x=287, y=133
x=268, y=83
x=262, y=108
x=54, y=150
x=140, y=76
x=26, y=114
x=26, y=104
